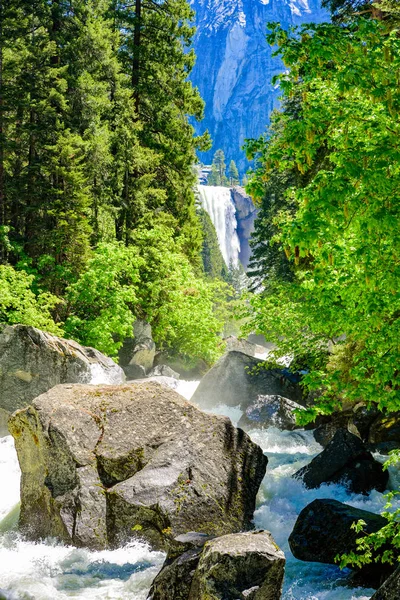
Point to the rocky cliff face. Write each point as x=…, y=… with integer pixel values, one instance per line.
x=235, y=66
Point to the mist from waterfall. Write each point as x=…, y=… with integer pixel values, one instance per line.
x=217, y=202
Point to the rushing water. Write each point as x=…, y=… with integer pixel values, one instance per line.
x=218, y=203
x=51, y=571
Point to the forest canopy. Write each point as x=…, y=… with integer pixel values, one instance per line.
x=327, y=184
x=98, y=219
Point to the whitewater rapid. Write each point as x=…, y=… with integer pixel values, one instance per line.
x=51, y=571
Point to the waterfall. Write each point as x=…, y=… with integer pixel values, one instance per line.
x=218, y=203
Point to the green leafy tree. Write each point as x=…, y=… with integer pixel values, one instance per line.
x=151, y=279
x=342, y=236
x=19, y=303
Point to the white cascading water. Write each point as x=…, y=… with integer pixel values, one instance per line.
x=51, y=571
x=217, y=202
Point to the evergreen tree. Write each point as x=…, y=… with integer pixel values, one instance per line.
x=155, y=56
x=234, y=178
x=213, y=261
x=218, y=170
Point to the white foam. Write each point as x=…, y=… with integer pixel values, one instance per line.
x=9, y=476
x=187, y=388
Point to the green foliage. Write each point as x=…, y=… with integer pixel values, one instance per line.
x=234, y=178
x=342, y=235
x=383, y=545
x=101, y=302
x=218, y=170
x=96, y=165
x=213, y=261
x=151, y=279
x=19, y=303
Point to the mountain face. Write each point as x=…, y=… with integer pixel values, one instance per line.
x=235, y=66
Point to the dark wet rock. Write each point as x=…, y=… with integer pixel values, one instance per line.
x=32, y=362
x=386, y=429
x=164, y=371
x=238, y=379
x=323, y=530
x=271, y=411
x=104, y=464
x=357, y=420
x=390, y=590
x=240, y=345
x=232, y=567
x=133, y=372
x=346, y=460
x=175, y=578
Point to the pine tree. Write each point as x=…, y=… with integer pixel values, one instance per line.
x=218, y=170
x=234, y=178
x=155, y=56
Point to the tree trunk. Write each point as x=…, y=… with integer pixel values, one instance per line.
x=2, y=137
x=137, y=40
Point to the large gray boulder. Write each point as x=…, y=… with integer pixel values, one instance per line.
x=345, y=459
x=323, y=531
x=239, y=566
x=271, y=411
x=240, y=345
x=238, y=379
x=32, y=362
x=103, y=464
x=390, y=590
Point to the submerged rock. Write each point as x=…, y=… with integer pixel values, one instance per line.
x=164, y=371
x=270, y=411
x=346, y=460
x=390, y=590
x=238, y=379
x=323, y=530
x=103, y=464
x=32, y=362
x=232, y=567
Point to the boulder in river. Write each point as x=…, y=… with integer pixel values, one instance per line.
x=345, y=460
x=32, y=362
x=385, y=431
x=104, y=464
x=238, y=379
x=239, y=566
x=270, y=411
x=234, y=344
x=323, y=530
x=138, y=351
x=357, y=419
x=164, y=371
x=390, y=590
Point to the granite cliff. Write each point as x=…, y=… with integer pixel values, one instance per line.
x=235, y=67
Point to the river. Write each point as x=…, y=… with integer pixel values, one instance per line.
x=51, y=571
